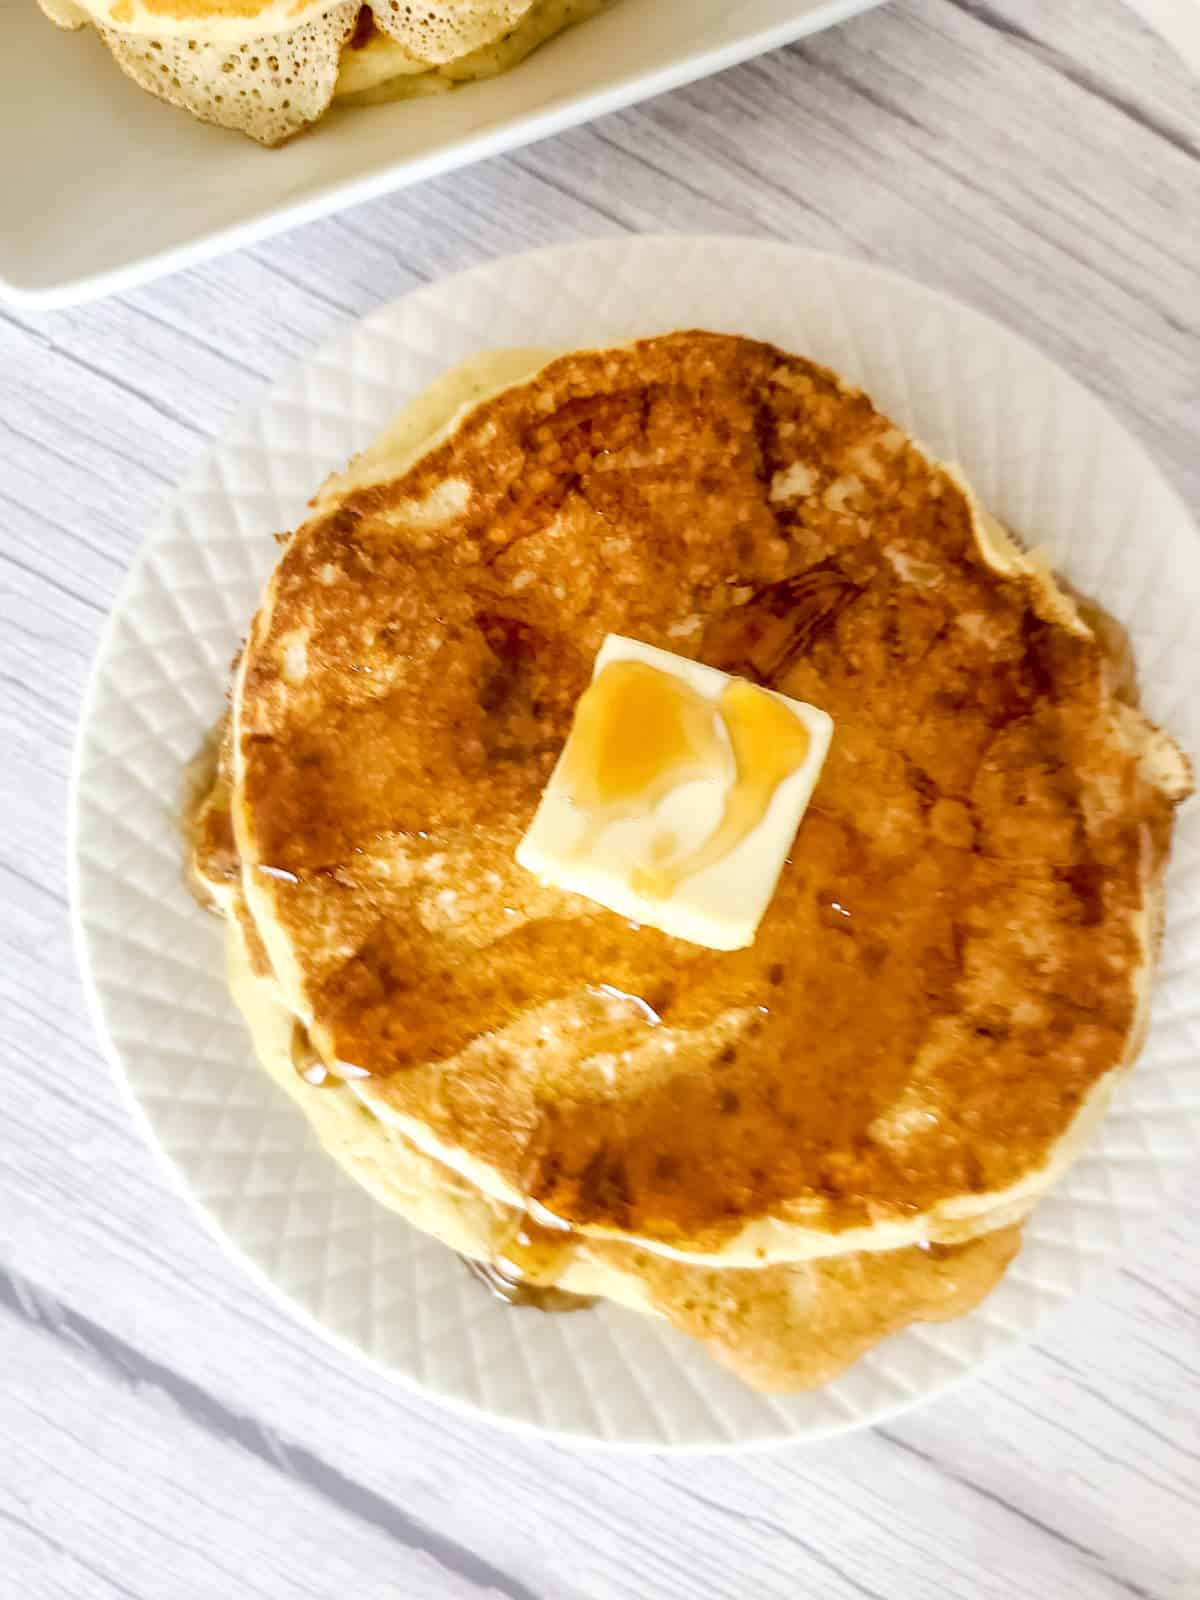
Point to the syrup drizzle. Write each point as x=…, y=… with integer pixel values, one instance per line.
x=528, y=1257
x=640, y=733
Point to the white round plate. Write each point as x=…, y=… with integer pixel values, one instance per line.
x=1044, y=455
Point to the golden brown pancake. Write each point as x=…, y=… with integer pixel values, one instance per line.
x=779, y=1328
x=954, y=965
x=797, y=1326
x=269, y=68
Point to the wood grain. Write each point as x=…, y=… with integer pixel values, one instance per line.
x=167, y=1431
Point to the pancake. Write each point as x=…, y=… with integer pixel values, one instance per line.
x=437, y=30
x=377, y=68
x=269, y=68
x=784, y=1328
x=955, y=965
x=269, y=89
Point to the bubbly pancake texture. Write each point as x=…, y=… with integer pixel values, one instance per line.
x=378, y=68
x=954, y=964
x=438, y=30
x=269, y=68
x=268, y=89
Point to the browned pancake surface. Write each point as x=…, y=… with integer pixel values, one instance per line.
x=796, y=1327
x=948, y=966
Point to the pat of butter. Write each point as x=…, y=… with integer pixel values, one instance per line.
x=677, y=795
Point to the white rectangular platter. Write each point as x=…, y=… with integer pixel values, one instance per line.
x=108, y=187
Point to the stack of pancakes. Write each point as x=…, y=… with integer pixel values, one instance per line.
x=790, y=1150
x=269, y=68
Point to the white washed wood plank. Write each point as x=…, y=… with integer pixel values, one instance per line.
x=1069, y=1472
x=118, y=1495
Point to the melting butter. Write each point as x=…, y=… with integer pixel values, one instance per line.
x=641, y=732
x=677, y=796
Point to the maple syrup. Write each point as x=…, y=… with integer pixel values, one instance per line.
x=306, y=1058
x=536, y=1248
x=529, y=1256
x=541, y=1297
x=641, y=732
x=769, y=744
x=206, y=821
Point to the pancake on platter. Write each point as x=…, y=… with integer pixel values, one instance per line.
x=955, y=963
x=269, y=68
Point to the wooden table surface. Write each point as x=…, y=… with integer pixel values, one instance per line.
x=167, y=1430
